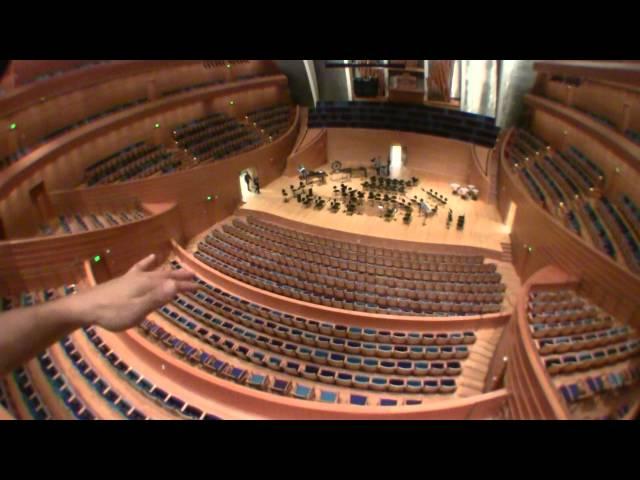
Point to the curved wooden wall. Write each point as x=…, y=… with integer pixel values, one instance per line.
x=312, y=152
x=532, y=393
x=60, y=163
x=609, y=284
x=23, y=260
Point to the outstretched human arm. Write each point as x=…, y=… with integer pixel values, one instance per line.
x=116, y=305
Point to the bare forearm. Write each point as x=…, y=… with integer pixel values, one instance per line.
x=25, y=332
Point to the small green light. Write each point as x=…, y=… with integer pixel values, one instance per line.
x=209, y=197
x=157, y=125
x=97, y=258
x=13, y=126
x=231, y=102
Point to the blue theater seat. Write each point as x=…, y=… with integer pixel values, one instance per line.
x=303, y=392
x=388, y=402
x=359, y=400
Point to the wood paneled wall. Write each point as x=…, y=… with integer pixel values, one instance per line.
x=24, y=261
x=357, y=146
x=312, y=153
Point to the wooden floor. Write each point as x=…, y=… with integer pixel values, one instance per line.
x=483, y=226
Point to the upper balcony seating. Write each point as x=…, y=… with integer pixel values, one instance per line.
x=368, y=284
x=25, y=149
x=86, y=222
x=215, y=137
x=631, y=212
x=611, y=226
x=597, y=116
x=272, y=121
x=570, y=347
x=595, y=172
x=625, y=236
x=138, y=160
x=598, y=232
x=8, y=160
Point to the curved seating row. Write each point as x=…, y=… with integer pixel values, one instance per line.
x=569, y=179
x=239, y=269
x=284, y=386
x=215, y=136
x=86, y=222
x=350, y=274
x=224, y=302
x=168, y=401
x=298, y=360
x=346, y=248
x=63, y=389
x=344, y=259
x=30, y=397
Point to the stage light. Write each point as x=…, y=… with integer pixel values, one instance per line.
x=228, y=65
x=157, y=125
x=231, y=102
x=617, y=170
x=97, y=258
x=209, y=198
x=13, y=126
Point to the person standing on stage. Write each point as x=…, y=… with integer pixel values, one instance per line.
x=256, y=184
x=247, y=179
x=389, y=166
x=378, y=166
x=424, y=208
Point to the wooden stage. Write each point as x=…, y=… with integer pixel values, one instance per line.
x=483, y=226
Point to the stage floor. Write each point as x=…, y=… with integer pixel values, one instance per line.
x=483, y=226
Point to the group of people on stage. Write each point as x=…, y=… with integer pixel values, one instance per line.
x=255, y=181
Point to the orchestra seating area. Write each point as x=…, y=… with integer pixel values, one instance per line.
x=215, y=137
x=565, y=184
x=138, y=160
x=587, y=351
x=87, y=222
x=235, y=340
x=345, y=275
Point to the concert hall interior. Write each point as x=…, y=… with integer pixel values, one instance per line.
x=370, y=239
